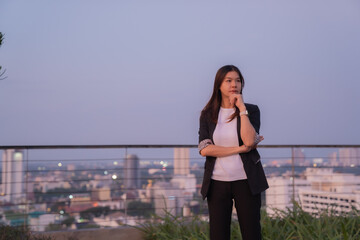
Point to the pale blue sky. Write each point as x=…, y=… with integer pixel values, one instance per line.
x=139, y=72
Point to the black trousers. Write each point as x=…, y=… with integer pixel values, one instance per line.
x=220, y=204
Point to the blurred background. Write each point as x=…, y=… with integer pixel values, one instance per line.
x=140, y=72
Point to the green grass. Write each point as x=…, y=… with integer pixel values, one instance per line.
x=294, y=224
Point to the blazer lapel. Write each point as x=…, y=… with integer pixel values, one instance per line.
x=238, y=130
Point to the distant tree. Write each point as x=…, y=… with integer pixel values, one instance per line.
x=68, y=221
x=137, y=208
x=88, y=226
x=57, y=206
x=56, y=193
x=2, y=72
x=94, y=212
x=53, y=227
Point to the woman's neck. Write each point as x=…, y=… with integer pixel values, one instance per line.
x=225, y=103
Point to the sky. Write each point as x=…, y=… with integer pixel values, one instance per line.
x=140, y=72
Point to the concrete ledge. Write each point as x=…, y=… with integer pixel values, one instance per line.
x=121, y=233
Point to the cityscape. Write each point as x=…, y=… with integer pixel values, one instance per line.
x=78, y=193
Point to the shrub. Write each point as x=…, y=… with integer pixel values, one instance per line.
x=293, y=224
x=19, y=233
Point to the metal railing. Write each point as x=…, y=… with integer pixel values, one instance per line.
x=63, y=186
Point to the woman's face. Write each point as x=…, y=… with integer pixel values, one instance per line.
x=231, y=84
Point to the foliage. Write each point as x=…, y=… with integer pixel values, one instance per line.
x=138, y=208
x=19, y=233
x=173, y=227
x=68, y=221
x=294, y=224
x=1, y=38
x=56, y=193
x=88, y=226
x=298, y=224
x=2, y=72
x=62, y=192
x=53, y=227
x=94, y=212
x=12, y=215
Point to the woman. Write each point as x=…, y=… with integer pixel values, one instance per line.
x=228, y=136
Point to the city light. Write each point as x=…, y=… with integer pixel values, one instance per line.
x=71, y=196
x=164, y=165
x=59, y=164
x=115, y=163
x=114, y=177
x=105, y=172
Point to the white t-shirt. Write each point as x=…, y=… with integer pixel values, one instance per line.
x=228, y=168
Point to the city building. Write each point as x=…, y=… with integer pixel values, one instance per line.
x=186, y=182
x=281, y=193
x=46, y=183
x=349, y=156
x=182, y=177
x=333, y=159
x=131, y=172
x=40, y=220
x=168, y=197
x=101, y=194
x=299, y=157
x=329, y=191
x=181, y=161
x=12, y=176
x=320, y=189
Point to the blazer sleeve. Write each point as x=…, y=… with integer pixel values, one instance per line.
x=254, y=117
x=204, y=133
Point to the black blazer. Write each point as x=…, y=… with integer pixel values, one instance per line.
x=251, y=160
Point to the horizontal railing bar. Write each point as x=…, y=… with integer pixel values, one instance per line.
x=95, y=146
x=170, y=146
x=311, y=146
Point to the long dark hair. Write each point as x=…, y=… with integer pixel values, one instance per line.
x=213, y=106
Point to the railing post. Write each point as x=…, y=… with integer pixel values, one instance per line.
x=126, y=154
x=293, y=175
x=26, y=189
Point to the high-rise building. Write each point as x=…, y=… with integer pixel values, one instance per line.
x=185, y=182
x=131, y=172
x=12, y=175
x=181, y=161
x=333, y=159
x=299, y=157
x=349, y=156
